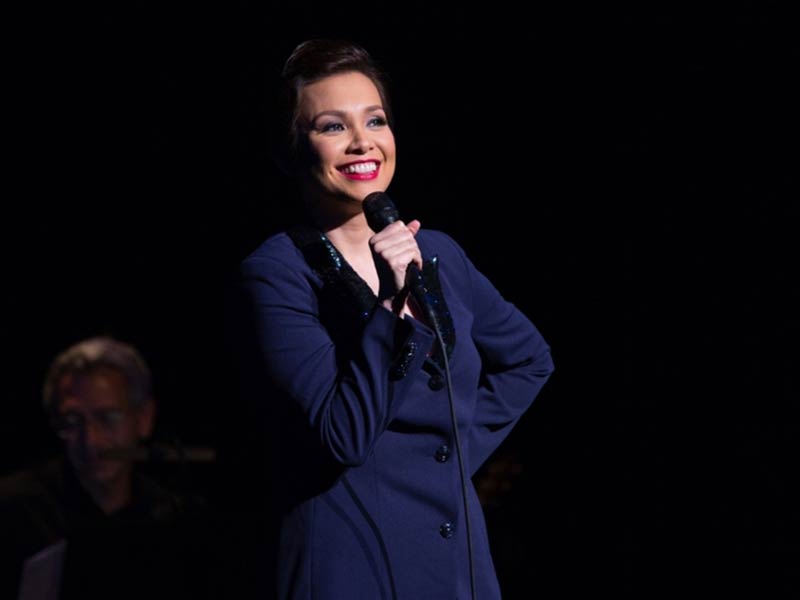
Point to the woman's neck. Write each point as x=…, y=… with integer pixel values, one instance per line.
x=350, y=236
x=344, y=224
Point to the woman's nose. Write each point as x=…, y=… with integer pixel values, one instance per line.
x=361, y=142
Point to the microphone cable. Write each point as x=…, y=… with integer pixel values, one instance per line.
x=460, y=457
x=380, y=211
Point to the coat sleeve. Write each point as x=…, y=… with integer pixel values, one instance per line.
x=348, y=403
x=515, y=364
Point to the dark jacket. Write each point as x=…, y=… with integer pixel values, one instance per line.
x=156, y=547
x=366, y=475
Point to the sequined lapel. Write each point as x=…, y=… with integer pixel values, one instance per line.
x=338, y=277
x=435, y=299
x=346, y=288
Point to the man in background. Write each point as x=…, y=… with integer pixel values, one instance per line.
x=126, y=536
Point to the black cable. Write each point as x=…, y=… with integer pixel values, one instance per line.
x=380, y=211
x=460, y=457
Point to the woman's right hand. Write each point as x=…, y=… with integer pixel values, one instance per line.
x=396, y=247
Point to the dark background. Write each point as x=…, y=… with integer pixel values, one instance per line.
x=626, y=175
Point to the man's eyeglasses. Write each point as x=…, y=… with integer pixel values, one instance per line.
x=72, y=423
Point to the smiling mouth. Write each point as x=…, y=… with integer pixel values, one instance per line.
x=360, y=171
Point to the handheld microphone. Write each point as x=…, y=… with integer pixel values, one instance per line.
x=380, y=211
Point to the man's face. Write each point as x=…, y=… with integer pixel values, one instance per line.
x=93, y=417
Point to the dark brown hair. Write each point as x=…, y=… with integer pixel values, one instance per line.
x=311, y=61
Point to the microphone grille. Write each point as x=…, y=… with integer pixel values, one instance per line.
x=379, y=210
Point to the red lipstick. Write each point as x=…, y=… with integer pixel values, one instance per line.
x=362, y=175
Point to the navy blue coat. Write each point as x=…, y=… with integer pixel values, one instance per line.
x=366, y=469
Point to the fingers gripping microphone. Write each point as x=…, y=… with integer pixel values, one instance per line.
x=380, y=211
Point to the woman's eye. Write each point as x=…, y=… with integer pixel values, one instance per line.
x=328, y=127
x=376, y=122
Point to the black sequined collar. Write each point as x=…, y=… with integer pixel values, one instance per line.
x=347, y=286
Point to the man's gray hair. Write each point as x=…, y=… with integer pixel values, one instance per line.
x=90, y=354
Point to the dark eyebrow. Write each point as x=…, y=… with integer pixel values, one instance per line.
x=341, y=114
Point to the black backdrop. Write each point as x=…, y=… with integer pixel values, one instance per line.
x=626, y=175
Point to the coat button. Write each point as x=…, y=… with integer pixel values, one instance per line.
x=442, y=453
x=436, y=382
x=447, y=529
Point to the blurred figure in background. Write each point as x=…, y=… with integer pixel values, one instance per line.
x=98, y=397
x=126, y=536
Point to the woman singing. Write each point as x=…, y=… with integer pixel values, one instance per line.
x=371, y=480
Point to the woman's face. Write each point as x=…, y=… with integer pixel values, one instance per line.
x=352, y=146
